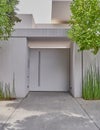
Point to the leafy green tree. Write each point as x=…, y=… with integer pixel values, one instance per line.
x=85, y=24
x=7, y=18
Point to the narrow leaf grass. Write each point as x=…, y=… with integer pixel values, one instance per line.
x=91, y=84
x=6, y=91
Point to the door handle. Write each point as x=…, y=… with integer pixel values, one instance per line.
x=39, y=67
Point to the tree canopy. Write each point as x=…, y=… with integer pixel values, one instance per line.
x=85, y=24
x=7, y=18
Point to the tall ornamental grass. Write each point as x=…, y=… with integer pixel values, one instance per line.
x=7, y=92
x=91, y=84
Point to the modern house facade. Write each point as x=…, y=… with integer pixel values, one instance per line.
x=39, y=54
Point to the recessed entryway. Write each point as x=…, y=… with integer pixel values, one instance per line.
x=49, y=69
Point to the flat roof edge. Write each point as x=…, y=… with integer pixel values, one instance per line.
x=58, y=32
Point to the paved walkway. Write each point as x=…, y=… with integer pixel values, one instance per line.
x=50, y=111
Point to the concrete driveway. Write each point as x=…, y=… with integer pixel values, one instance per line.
x=50, y=111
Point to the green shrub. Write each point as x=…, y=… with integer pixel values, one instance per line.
x=91, y=84
x=85, y=24
x=8, y=18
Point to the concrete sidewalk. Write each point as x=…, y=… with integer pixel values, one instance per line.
x=6, y=110
x=50, y=111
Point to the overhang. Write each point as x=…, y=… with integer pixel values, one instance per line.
x=45, y=36
x=43, y=31
x=56, y=43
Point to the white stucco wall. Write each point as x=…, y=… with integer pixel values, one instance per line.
x=75, y=71
x=41, y=9
x=13, y=59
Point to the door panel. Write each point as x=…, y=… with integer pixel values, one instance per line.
x=51, y=73
x=33, y=83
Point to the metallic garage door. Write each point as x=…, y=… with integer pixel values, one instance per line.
x=49, y=69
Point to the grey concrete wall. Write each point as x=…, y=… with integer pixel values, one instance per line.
x=61, y=10
x=27, y=21
x=90, y=59
x=13, y=59
x=41, y=32
x=27, y=67
x=75, y=71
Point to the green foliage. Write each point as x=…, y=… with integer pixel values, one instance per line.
x=7, y=18
x=85, y=24
x=91, y=84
